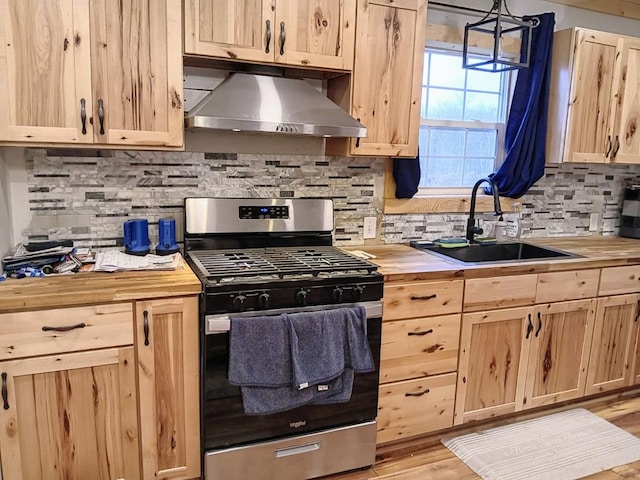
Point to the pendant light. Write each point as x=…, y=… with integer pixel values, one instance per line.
x=497, y=23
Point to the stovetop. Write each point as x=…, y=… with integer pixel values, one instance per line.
x=279, y=263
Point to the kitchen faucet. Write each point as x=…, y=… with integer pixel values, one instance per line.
x=471, y=226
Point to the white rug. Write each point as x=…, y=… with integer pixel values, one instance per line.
x=562, y=446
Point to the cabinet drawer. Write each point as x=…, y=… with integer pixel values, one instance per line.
x=617, y=280
x=420, y=299
x=419, y=347
x=572, y=285
x=500, y=292
x=22, y=334
x=415, y=407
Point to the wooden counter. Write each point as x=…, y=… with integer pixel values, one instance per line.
x=400, y=262
x=95, y=288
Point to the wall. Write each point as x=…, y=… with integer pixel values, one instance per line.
x=565, y=16
x=87, y=195
x=5, y=231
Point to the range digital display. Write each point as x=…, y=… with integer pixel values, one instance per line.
x=260, y=213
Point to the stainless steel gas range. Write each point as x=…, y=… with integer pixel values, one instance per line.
x=257, y=259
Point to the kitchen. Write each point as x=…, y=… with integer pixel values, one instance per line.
x=86, y=195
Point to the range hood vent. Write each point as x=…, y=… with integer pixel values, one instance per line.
x=254, y=103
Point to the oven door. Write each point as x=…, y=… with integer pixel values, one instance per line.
x=224, y=422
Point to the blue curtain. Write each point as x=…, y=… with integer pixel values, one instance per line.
x=406, y=173
x=526, y=130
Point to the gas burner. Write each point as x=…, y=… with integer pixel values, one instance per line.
x=278, y=263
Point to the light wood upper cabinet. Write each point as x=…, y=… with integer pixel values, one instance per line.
x=612, y=349
x=317, y=34
x=70, y=416
x=386, y=84
x=593, y=110
x=559, y=352
x=168, y=372
x=97, y=72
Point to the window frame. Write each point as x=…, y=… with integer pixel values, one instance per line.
x=500, y=127
x=450, y=38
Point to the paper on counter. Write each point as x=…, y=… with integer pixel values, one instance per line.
x=114, y=260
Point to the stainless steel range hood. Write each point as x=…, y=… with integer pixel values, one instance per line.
x=246, y=102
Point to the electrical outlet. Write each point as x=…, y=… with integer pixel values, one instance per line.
x=594, y=221
x=370, y=227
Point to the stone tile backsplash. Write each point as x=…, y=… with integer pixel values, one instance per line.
x=87, y=195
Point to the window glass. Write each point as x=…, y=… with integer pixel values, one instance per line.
x=462, y=126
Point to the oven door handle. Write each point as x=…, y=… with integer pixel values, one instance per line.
x=216, y=324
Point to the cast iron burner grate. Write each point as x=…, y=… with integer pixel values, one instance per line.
x=279, y=262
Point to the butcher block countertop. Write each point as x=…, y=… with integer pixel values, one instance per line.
x=94, y=288
x=400, y=262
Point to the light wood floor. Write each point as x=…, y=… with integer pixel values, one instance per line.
x=428, y=459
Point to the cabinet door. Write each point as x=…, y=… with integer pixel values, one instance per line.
x=614, y=334
x=136, y=61
x=387, y=75
x=168, y=372
x=70, y=416
x=626, y=144
x=559, y=352
x=242, y=30
x=590, y=129
x=44, y=71
x=316, y=34
x=494, y=348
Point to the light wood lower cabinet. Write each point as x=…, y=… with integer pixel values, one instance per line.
x=166, y=339
x=418, y=358
x=520, y=358
x=494, y=350
x=636, y=370
x=559, y=353
x=70, y=416
x=112, y=395
x=612, y=349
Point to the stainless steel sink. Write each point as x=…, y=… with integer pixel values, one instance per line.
x=496, y=253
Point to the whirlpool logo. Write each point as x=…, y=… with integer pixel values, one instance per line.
x=298, y=424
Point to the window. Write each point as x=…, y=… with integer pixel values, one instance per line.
x=462, y=123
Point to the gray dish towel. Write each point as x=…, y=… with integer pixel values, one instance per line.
x=285, y=361
x=259, y=352
x=324, y=343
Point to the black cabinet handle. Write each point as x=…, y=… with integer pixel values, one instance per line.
x=5, y=394
x=358, y=139
x=283, y=38
x=609, y=146
x=66, y=328
x=145, y=327
x=426, y=297
x=416, y=394
x=617, y=147
x=83, y=115
x=539, y=324
x=529, y=327
x=101, y=115
x=420, y=334
x=637, y=313
x=266, y=50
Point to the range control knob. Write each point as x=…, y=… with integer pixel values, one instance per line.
x=356, y=293
x=264, y=301
x=301, y=298
x=238, y=302
x=336, y=294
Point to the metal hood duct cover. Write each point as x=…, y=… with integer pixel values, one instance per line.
x=264, y=104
